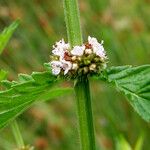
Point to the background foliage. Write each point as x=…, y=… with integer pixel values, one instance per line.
x=52, y=125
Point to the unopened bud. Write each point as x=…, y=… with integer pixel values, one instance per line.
x=74, y=58
x=75, y=66
x=86, y=69
x=52, y=57
x=87, y=61
x=79, y=58
x=104, y=65
x=92, y=67
x=97, y=59
x=88, y=51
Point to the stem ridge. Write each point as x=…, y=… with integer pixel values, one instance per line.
x=82, y=90
x=84, y=111
x=17, y=134
x=72, y=16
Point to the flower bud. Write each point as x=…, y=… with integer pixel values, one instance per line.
x=79, y=58
x=75, y=66
x=87, y=61
x=89, y=58
x=97, y=59
x=74, y=58
x=85, y=69
x=88, y=51
x=92, y=67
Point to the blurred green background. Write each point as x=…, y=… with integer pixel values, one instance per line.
x=124, y=25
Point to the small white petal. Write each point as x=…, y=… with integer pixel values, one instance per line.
x=60, y=48
x=66, y=71
x=92, y=40
x=58, y=52
x=56, y=71
x=60, y=43
x=78, y=50
x=67, y=65
x=56, y=67
x=56, y=63
x=98, y=48
x=102, y=42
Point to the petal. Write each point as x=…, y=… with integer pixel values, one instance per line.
x=78, y=50
x=98, y=49
x=67, y=65
x=58, y=52
x=56, y=64
x=62, y=45
x=56, y=67
x=92, y=40
x=56, y=70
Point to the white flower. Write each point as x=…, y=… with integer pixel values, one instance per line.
x=60, y=48
x=92, y=40
x=58, y=52
x=66, y=65
x=62, y=44
x=56, y=67
x=98, y=48
x=78, y=50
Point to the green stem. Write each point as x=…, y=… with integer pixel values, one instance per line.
x=84, y=109
x=17, y=134
x=72, y=19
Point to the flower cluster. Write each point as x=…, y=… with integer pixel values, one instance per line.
x=90, y=58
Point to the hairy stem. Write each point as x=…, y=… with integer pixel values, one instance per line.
x=71, y=12
x=84, y=109
x=17, y=134
x=85, y=113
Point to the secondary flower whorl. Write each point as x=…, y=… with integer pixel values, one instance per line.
x=89, y=58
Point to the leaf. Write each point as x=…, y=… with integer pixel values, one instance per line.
x=22, y=94
x=139, y=143
x=134, y=82
x=3, y=75
x=122, y=144
x=6, y=34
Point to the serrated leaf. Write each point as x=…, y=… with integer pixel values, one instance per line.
x=5, y=83
x=6, y=34
x=47, y=66
x=22, y=94
x=24, y=77
x=134, y=82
